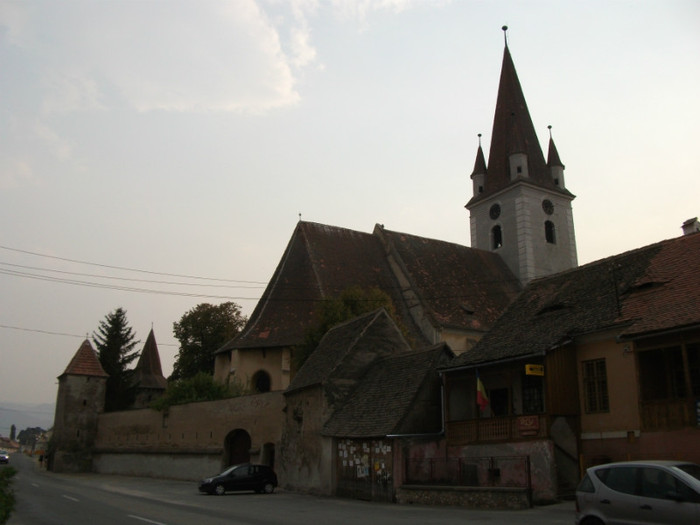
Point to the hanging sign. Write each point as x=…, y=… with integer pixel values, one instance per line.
x=534, y=370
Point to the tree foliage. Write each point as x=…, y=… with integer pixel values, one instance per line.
x=201, y=332
x=351, y=302
x=114, y=341
x=200, y=387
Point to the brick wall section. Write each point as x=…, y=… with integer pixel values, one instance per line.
x=149, y=442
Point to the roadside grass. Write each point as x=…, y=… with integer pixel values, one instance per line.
x=7, y=497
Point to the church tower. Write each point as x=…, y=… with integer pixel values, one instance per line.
x=520, y=206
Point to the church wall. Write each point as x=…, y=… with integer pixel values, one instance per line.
x=186, y=441
x=307, y=458
x=243, y=367
x=522, y=220
x=459, y=341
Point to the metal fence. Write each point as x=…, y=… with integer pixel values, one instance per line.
x=489, y=471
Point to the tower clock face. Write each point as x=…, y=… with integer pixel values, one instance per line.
x=495, y=211
x=547, y=206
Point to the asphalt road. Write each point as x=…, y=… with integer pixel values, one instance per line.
x=46, y=498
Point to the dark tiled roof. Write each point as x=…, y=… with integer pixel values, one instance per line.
x=321, y=261
x=85, y=363
x=513, y=132
x=346, y=351
x=386, y=396
x=640, y=292
x=148, y=372
x=460, y=287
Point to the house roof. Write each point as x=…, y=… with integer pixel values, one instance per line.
x=513, y=132
x=385, y=395
x=639, y=293
x=346, y=351
x=85, y=363
x=148, y=372
x=457, y=286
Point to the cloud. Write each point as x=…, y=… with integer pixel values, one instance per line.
x=174, y=56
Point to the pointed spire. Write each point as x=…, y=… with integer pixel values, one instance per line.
x=513, y=131
x=480, y=162
x=148, y=372
x=553, y=154
x=85, y=363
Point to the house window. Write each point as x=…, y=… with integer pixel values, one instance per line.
x=595, y=386
x=662, y=373
x=533, y=398
x=549, y=233
x=499, y=401
x=496, y=237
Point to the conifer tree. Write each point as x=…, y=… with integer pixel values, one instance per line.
x=114, y=340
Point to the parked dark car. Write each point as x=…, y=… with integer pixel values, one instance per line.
x=663, y=492
x=4, y=456
x=259, y=478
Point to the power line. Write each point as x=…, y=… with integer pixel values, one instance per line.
x=124, y=268
x=178, y=283
x=48, y=332
x=120, y=288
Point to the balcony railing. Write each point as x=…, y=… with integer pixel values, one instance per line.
x=494, y=471
x=668, y=414
x=493, y=429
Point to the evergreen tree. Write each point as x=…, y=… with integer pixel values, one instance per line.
x=114, y=341
x=201, y=332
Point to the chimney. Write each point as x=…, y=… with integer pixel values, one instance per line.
x=691, y=226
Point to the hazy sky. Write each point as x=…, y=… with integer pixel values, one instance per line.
x=184, y=138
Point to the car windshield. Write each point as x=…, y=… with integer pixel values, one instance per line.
x=229, y=470
x=690, y=468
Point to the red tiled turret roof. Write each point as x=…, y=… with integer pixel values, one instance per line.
x=85, y=363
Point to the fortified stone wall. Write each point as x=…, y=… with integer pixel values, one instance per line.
x=187, y=441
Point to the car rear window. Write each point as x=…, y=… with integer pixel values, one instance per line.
x=586, y=485
x=621, y=479
x=690, y=468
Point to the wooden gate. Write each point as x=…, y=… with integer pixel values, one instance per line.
x=364, y=469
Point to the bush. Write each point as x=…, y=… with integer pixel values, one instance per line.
x=7, y=497
x=201, y=387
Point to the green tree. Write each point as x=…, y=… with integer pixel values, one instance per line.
x=114, y=340
x=202, y=331
x=200, y=387
x=352, y=302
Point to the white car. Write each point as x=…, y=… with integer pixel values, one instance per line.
x=649, y=492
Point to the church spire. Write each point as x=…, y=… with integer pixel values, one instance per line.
x=520, y=207
x=479, y=173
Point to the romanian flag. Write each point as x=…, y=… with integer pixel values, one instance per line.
x=481, y=398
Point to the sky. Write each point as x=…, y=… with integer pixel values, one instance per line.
x=155, y=155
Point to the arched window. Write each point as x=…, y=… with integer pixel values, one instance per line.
x=496, y=237
x=549, y=232
x=261, y=381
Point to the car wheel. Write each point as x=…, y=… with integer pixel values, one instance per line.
x=592, y=521
x=268, y=488
x=219, y=489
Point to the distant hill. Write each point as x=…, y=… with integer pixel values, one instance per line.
x=25, y=415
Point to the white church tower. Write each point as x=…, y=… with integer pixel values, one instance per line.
x=520, y=206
